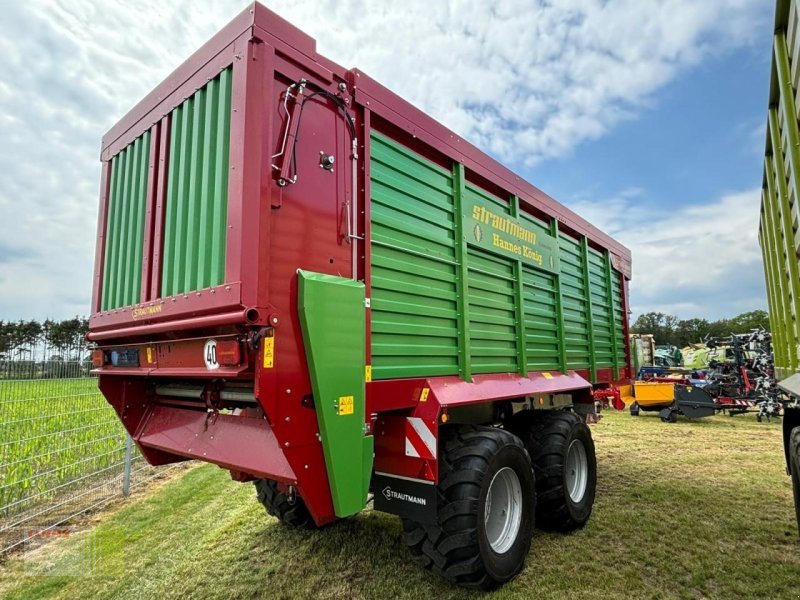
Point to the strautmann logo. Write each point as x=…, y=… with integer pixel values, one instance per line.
x=390, y=494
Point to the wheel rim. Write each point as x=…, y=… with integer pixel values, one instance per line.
x=577, y=471
x=503, y=511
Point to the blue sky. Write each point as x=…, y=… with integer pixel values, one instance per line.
x=701, y=135
x=699, y=139
x=647, y=118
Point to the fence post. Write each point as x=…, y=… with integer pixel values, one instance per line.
x=126, y=474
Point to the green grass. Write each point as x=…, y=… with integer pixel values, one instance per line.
x=53, y=432
x=691, y=510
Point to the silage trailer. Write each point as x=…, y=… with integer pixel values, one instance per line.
x=305, y=280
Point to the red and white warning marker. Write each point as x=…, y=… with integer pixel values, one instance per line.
x=420, y=438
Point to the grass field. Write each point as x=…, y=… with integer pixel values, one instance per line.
x=53, y=433
x=691, y=510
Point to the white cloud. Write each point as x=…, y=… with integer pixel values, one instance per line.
x=524, y=80
x=701, y=260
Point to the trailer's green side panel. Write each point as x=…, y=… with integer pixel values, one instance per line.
x=576, y=329
x=413, y=247
x=122, y=269
x=780, y=207
x=197, y=190
x=463, y=283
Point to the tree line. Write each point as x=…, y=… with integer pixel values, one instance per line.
x=669, y=329
x=53, y=340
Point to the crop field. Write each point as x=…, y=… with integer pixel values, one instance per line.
x=58, y=438
x=691, y=510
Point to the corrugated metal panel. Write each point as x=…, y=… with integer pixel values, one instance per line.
x=197, y=190
x=541, y=319
x=122, y=270
x=602, y=332
x=780, y=208
x=619, y=317
x=492, y=313
x=413, y=298
x=508, y=320
x=492, y=307
x=576, y=328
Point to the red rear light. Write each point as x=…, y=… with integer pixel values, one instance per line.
x=229, y=353
x=98, y=358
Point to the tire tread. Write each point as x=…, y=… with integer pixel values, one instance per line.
x=450, y=549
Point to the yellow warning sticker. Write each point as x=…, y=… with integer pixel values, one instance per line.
x=547, y=375
x=346, y=405
x=368, y=373
x=423, y=397
x=269, y=352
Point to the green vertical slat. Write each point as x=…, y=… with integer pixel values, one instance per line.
x=777, y=326
x=131, y=192
x=141, y=201
x=168, y=250
x=782, y=257
x=206, y=226
x=192, y=243
x=589, y=319
x=519, y=303
x=613, y=320
x=782, y=357
x=562, y=342
x=775, y=251
x=464, y=363
x=111, y=219
x=220, y=169
x=119, y=286
x=182, y=208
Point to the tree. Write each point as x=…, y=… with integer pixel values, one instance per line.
x=662, y=326
x=68, y=337
x=691, y=331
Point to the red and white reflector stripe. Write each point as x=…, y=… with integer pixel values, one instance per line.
x=420, y=438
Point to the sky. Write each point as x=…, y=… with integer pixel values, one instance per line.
x=647, y=118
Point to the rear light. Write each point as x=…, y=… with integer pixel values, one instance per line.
x=125, y=358
x=229, y=353
x=98, y=358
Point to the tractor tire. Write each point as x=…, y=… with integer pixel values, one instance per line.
x=278, y=504
x=565, y=465
x=486, y=509
x=635, y=409
x=794, y=467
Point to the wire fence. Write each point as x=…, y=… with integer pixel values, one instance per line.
x=63, y=451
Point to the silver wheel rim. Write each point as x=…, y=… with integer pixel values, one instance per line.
x=503, y=512
x=577, y=471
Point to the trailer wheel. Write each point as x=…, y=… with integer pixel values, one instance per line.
x=635, y=409
x=564, y=462
x=291, y=511
x=486, y=508
x=794, y=467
